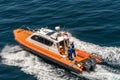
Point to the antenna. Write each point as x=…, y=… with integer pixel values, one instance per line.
x=63, y=28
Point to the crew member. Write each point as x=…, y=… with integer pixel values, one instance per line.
x=73, y=48
x=69, y=53
x=62, y=51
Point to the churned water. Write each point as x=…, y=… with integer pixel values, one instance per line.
x=94, y=25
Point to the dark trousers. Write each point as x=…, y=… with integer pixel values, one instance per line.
x=70, y=55
x=73, y=52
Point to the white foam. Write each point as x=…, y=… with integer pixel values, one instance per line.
x=30, y=64
x=101, y=74
x=109, y=54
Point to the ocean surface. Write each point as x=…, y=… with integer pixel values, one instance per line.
x=94, y=25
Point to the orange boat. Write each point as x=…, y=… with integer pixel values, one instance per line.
x=47, y=44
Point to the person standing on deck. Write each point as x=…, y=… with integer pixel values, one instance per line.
x=69, y=53
x=73, y=48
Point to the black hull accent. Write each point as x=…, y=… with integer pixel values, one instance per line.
x=70, y=68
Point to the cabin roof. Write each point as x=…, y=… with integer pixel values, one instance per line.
x=49, y=34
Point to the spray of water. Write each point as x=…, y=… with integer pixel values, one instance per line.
x=30, y=64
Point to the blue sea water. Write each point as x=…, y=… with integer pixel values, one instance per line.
x=94, y=25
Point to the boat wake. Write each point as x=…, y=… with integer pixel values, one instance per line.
x=31, y=64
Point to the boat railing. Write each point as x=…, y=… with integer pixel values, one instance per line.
x=28, y=28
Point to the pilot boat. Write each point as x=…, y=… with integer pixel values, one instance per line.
x=46, y=43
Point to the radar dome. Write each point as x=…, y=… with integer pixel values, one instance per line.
x=57, y=28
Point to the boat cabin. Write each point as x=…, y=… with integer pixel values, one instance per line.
x=50, y=39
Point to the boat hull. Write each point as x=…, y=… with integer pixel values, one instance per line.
x=50, y=59
x=21, y=35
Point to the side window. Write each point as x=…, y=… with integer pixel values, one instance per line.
x=42, y=40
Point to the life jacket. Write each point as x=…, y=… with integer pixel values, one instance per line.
x=69, y=51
